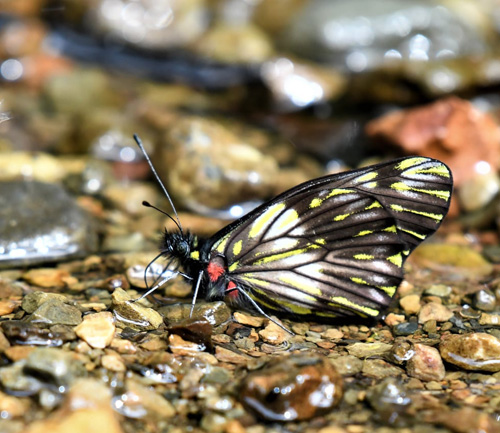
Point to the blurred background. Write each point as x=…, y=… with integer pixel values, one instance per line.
x=236, y=101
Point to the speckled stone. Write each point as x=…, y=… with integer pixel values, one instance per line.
x=425, y=364
x=477, y=351
x=434, y=311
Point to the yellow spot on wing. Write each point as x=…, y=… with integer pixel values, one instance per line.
x=342, y=217
x=285, y=254
x=434, y=216
x=364, y=233
x=396, y=259
x=366, y=177
x=401, y=186
x=417, y=235
x=390, y=290
x=256, y=281
x=340, y=300
x=195, y=255
x=359, y=281
x=300, y=285
x=233, y=266
x=363, y=257
x=391, y=229
x=374, y=205
x=410, y=162
x=265, y=218
x=222, y=244
x=339, y=191
x=237, y=247
x=289, y=217
x=315, y=202
x=439, y=170
x=370, y=185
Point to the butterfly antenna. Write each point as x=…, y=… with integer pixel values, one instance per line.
x=141, y=146
x=148, y=204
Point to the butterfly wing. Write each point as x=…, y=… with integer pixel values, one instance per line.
x=336, y=245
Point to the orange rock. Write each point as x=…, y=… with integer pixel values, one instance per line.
x=451, y=130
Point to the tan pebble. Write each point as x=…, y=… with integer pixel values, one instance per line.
x=47, y=277
x=113, y=362
x=97, y=329
x=13, y=407
x=123, y=346
x=230, y=356
x=154, y=343
x=325, y=344
x=16, y=353
x=489, y=319
x=246, y=319
x=82, y=347
x=434, y=311
x=4, y=343
x=394, y=319
x=156, y=407
x=433, y=386
x=273, y=334
x=234, y=426
x=179, y=346
x=333, y=334
x=133, y=314
x=425, y=364
x=8, y=306
x=410, y=304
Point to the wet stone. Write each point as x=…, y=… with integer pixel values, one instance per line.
x=485, y=300
x=133, y=314
x=19, y=332
x=274, y=334
x=407, y=328
x=55, y=366
x=298, y=387
x=33, y=211
x=49, y=277
x=389, y=399
x=347, y=365
x=378, y=369
x=97, y=329
x=365, y=350
x=33, y=300
x=215, y=313
x=425, y=364
x=14, y=380
x=440, y=290
x=478, y=351
x=247, y=319
x=198, y=332
x=55, y=312
x=489, y=319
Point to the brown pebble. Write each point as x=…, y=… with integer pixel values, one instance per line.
x=113, y=362
x=180, y=346
x=49, y=277
x=394, y=319
x=293, y=388
x=274, y=334
x=16, y=353
x=8, y=306
x=425, y=364
x=230, y=356
x=133, y=314
x=97, y=329
x=410, y=304
x=247, y=319
x=434, y=311
x=477, y=351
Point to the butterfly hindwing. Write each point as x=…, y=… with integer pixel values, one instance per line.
x=336, y=245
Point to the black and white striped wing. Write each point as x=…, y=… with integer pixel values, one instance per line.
x=336, y=245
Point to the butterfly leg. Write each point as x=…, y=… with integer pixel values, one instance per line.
x=195, y=295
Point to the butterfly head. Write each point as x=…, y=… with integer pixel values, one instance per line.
x=178, y=245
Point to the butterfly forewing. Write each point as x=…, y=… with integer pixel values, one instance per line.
x=336, y=245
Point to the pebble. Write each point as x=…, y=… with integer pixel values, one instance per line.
x=293, y=388
x=215, y=313
x=180, y=346
x=394, y=319
x=425, y=364
x=489, y=319
x=49, y=277
x=407, y=328
x=7, y=307
x=365, y=350
x=97, y=329
x=133, y=314
x=410, y=304
x=476, y=351
x=378, y=369
x=274, y=334
x=475, y=193
x=34, y=299
x=140, y=402
x=55, y=312
x=57, y=365
x=389, y=398
x=16, y=353
x=231, y=356
x=38, y=334
x=13, y=407
x=113, y=362
x=440, y=290
x=247, y=319
x=485, y=300
x=15, y=381
x=347, y=365
x=459, y=259
x=30, y=211
x=434, y=311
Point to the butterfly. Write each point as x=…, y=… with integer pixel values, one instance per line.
x=332, y=247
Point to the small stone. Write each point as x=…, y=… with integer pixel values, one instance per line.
x=489, y=319
x=347, y=365
x=434, y=311
x=231, y=356
x=55, y=312
x=389, y=399
x=213, y=422
x=379, y=369
x=57, y=365
x=394, y=319
x=365, y=350
x=477, y=351
x=274, y=334
x=16, y=353
x=97, y=329
x=180, y=346
x=132, y=314
x=247, y=319
x=7, y=307
x=34, y=299
x=440, y=290
x=215, y=313
x=153, y=343
x=49, y=277
x=19, y=332
x=410, y=304
x=425, y=364
x=13, y=407
x=294, y=388
x=113, y=362
x=333, y=334
x=407, y=328
x=141, y=402
x=123, y=346
x=15, y=381
x=485, y=300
